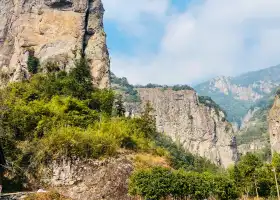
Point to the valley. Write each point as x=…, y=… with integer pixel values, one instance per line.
x=70, y=129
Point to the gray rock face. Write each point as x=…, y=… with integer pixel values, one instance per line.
x=200, y=129
x=91, y=179
x=274, y=126
x=58, y=31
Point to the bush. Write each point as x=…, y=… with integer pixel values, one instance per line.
x=32, y=62
x=207, y=101
x=158, y=182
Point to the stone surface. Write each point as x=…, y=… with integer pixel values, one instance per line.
x=58, y=31
x=274, y=126
x=91, y=179
x=200, y=129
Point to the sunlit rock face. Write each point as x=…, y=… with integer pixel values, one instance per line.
x=58, y=31
x=201, y=130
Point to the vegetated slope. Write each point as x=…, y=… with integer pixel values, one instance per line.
x=195, y=122
x=253, y=135
x=236, y=95
x=122, y=86
x=57, y=118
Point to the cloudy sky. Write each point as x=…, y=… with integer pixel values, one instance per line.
x=190, y=41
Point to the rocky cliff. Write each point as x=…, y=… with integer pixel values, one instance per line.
x=274, y=125
x=200, y=129
x=57, y=31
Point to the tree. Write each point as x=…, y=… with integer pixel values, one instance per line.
x=119, y=107
x=32, y=62
x=247, y=168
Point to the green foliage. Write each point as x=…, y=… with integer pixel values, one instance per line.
x=174, y=87
x=119, y=109
x=130, y=94
x=181, y=159
x=181, y=87
x=256, y=128
x=251, y=175
x=207, y=101
x=158, y=182
x=50, y=115
x=33, y=63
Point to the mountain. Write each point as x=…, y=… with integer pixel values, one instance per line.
x=236, y=95
x=194, y=122
x=247, y=100
x=52, y=32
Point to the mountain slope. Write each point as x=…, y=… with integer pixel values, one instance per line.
x=236, y=95
x=195, y=122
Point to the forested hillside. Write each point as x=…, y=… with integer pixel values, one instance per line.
x=237, y=95
x=57, y=115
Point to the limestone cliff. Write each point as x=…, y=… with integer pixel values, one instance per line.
x=200, y=129
x=58, y=31
x=274, y=125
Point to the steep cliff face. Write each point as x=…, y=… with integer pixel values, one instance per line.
x=58, y=31
x=200, y=129
x=274, y=125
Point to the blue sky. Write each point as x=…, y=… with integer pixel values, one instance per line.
x=187, y=42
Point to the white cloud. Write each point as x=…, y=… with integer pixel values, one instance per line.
x=132, y=16
x=208, y=39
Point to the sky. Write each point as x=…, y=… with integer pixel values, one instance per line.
x=190, y=41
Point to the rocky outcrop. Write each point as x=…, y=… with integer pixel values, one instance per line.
x=253, y=147
x=274, y=125
x=91, y=179
x=198, y=128
x=58, y=31
x=248, y=117
x=251, y=92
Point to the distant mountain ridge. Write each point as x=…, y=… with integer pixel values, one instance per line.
x=237, y=95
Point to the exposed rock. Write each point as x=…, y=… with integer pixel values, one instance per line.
x=226, y=86
x=200, y=129
x=57, y=30
x=91, y=179
x=274, y=125
x=255, y=146
x=248, y=117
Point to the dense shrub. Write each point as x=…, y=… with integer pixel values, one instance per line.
x=181, y=87
x=32, y=62
x=207, y=101
x=158, y=182
x=130, y=93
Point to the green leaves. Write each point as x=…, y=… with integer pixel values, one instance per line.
x=158, y=182
x=33, y=63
